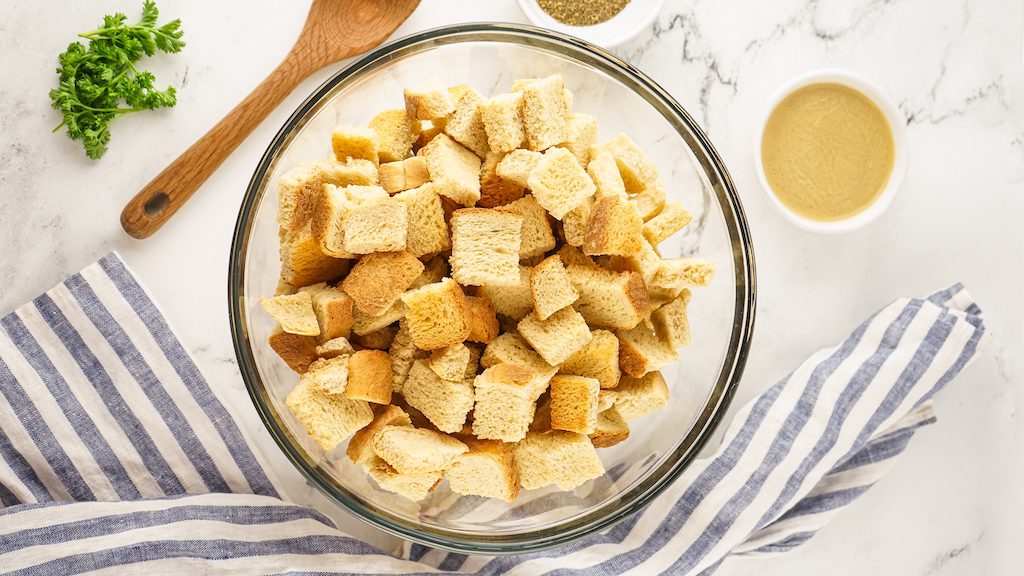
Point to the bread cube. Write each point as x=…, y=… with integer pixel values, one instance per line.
x=329, y=419
x=369, y=376
x=574, y=401
x=514, y=300
x=611, y=428
x=412, y=486
x=545, y=113
x=520, y=83
x=672, y=219
x=363, y=323
x=427, y=231
x=377, y=226
x=378, y=279
x=684, y=273
x=637, y=397
x=488, y=469
x=403, y=353
x=294, y=312
x=483, y=321
x=571, y=256
x=641, y=352
x=379, y=339
x=297, y=351
x=328, y=375
x=494, y=190
x=416, y=450
x=355, y=142
x=396, y=131
x=466, y=125
x=331, y=214
x=505, y=396
x=646, y=262
x=438, y=315
x=649, y=202
x=517, y=165
x=351, y=172
x=485, y=246
x=671, y=324
x=297, y=193
x=604, y=171
x=454, y=169
x=574, y=223
x=333, y=309
x=609, y=299
x=335, y=347
x=535, y=237
x=559, y=182
x=582, y=134
x=558, y=337
x=551, y=287
x=360, y=446
x=598, y=359
x=449, y=363
x=605, y=399
x=513, y=349
x=303, y=262
x=503, y=121
x=446, y=403
x=428, y=100
x=614, y=228
x=404, y=174
x=433, y=270
x=429, y=129
x=565, y=459
x=637, y=171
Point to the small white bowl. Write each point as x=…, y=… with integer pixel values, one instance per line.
x=636, y=16
x=897, y=124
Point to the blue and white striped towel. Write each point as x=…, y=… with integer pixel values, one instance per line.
x=116, y=457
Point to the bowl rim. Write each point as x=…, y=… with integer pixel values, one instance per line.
x=897, y=126
x=672, y=465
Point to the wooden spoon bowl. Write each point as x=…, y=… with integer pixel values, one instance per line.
x=334, y=30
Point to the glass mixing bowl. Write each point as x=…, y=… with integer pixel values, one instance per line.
x=489, y=57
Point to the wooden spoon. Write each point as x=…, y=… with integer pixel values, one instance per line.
x=334, y=30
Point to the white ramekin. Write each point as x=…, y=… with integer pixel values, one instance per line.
x=897, y=124
x=636, y=16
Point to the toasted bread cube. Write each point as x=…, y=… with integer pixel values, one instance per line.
x=369, y=376
x=404, y=174
x=551, y=287
x=335, y=347
x=379, y=339
x=503, y=121
x=294, y=312
x=438, y=315
x=297, y=192
x=458, y=91
x=298, y=352
x=494, y=190
x=646, y=262
x=412, y=486
x=331, y=214
x=614, y=227
x=416, y=451
x=351, y=172
x=434, y=269
x=428, y=100
x=355, y=142
x=328, y=375
x=329, y=419
x=454, y=169
x=517, y=165
x=378, y=279
x=485, y=246
x=599, y=359
x=605, y=400
x=609, y=299
x=571, y=256
x=449, y=363
x=559, y=182
x=574, y=224
x=483, y=321
x=671, y=324
x=565, y=459
x=360, y=446
x=535, y=237
x=396, y=131
x=520, y=83
x=637, y=171
x=427, y=231
x=466, y=124
x=574, y=401
x=545, y=113
x=513, y=349
x=611, y=429
x=364, y=324
x=403, y=353
x=637, y=397
x=582, y=130
x=446, y=403
x=303, y=262
x=429, y=129
x=514, y=301
x=681, y=273
x=505, y=396
x=333, y=310
x=558, y=337
x=641, y=352
x=488, y=469
x=603, y=170
x=672, y=219
x=377, y=226
x=649, y=202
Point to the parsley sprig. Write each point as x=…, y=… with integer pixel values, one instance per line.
x=95, y=81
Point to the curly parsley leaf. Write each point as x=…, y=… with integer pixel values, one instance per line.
x=99, y=83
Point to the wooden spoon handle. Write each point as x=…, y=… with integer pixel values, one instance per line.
x=169, y=191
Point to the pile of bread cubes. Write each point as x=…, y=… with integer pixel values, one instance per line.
x=471, y=290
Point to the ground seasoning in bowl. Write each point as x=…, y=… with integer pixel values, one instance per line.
x=582, y=13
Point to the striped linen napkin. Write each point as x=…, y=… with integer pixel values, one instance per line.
x=116, y=456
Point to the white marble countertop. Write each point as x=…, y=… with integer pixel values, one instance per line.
x=954, y=66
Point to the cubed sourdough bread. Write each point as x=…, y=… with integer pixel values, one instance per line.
x=650, y=201
x=670, y=220
x=403, y=352
x=574, y=402
x=378, y=279
x=574, y=223
x=449, y=363
x=360, y=446
x=551, y=287
x=559, y=182
x=517, y=165
x=503, y=121
x=454, y=169
x=679, y=273
x=485, y=247
x=582, y=135
x=298, y=352
x=328, y=375
x=536, y=237
x=363, y=323
x=369, y=376
x=428, y=100
x=396, y=131
x=545, y=113
x=335, y=347
x=494, y=190
x=558, y=337
x=513, y=349
x=331, y=214
x=637, y=397
x=415, y=450
x=637, y=171
x=466, y=124
x=488, y=469
x=483, y=321
x=611, y=429
x=671, y=323
x=513, y=300
x=412, y=486
x=446, y=403
x=641, y=351
x=427, y=231
x=333, y=309
x=598, y=359
x=609, y=299
x=504, y=401
x=379, y=339
x=355, y=142
x=329, y=419
x=294, y=312
x=565, y=459
x=438, y=315
x=614, y=227
x=603, y=170
x=404, y=174
x=303, y=262
x=376, y=226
